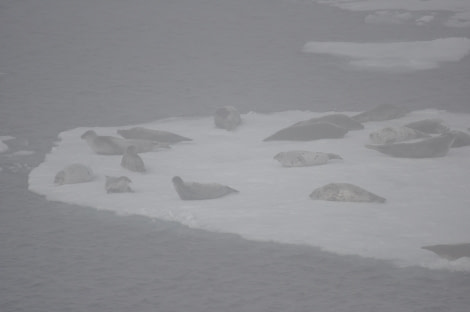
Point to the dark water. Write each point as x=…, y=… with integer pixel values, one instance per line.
x=110, y=63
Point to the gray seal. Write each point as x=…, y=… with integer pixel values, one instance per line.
x=200, y=191
x=381, y=113
x=117, y=184
x=227, y=118
x=132, y=161
x=304, y=158
x=152, y=135
x=433, y=126
x=394, y=135
x=339, y=120
x=109, y=145
x=74, y=173
x=427, y=148
x=344, y=192
x=450, y=251
x=461, y=138
x=308, y=132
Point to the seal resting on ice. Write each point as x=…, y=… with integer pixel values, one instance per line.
x=339, y=120
x=308, y=132
x=427, y=148
x=142, y=133
x=304, y=158
x=109, y=145
x=74, y=173
x=227, y=118
x=381, y=113
x=393, y=135
x=345, y=192
x=450, y=251
x=117, y=184
x=132, y=161
x=461, y=138
x=434, y=126
x=200, y=191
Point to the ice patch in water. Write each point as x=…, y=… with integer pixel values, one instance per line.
x=395, y=56
x=427, y=199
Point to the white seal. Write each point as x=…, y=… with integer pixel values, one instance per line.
x=74, y=173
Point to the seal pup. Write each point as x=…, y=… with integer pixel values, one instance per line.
x=200, y=191
x=434, y=126
x=227, y=118
x=308, y=132
x=117, y=184
x=427, y=148
x=304, y=158
x=109, y=145
x=393, y=135
x=345, y=192
x=152, y=135
x=339, y=120
x=132, y=161
x=74, y=173
x=450, y=251
x=381, y=113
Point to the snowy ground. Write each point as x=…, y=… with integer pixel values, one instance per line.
x=427, y=200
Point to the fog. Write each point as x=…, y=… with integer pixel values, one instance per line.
x=70, y=66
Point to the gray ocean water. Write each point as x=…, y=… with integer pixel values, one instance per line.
x=67, y=64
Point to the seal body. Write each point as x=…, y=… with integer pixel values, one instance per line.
x=381, y=113
x=117, y=184
x=345, y=192
x=392, y=135
x=461, y=138
x=304, y=158
x=427, y=148
x=227, y=118
x=132, y=161
x=450, y=251
x=74, y=173
x=142, y=133
x=200, y=191
x=434, y=126
x=109, y=145
x=339, y=120
x=308, y=132
x=104, y=145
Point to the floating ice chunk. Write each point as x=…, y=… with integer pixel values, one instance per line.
x=392, y=56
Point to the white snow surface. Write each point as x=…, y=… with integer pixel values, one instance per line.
x=459, y=18
x=395, y=56
x=427, y=199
